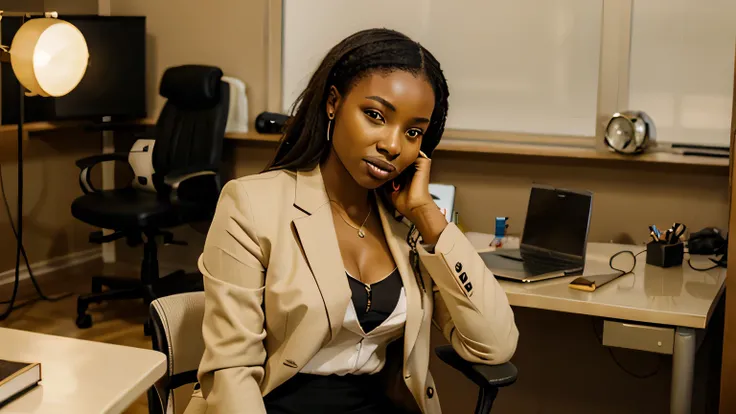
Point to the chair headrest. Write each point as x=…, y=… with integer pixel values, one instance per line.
x=191, y=86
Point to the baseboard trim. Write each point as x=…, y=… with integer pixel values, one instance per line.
x=52, y=265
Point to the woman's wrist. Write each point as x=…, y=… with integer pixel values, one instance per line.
x=430, y=222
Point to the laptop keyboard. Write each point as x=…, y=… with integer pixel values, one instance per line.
x=543, y=265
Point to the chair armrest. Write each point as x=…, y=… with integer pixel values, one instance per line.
x=494, y=376
x=175, y=181
x=176, y=178
x=86, y=164
x=93, y=160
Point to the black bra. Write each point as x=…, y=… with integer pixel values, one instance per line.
x=374, y=303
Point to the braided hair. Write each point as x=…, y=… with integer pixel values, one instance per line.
x=366, y=52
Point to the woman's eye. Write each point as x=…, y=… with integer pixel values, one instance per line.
x=374, y=115
x=414, y=133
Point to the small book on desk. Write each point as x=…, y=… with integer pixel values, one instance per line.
x=17, y=378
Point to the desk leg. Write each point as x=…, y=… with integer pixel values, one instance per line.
x=683, y=368
x=108, y=183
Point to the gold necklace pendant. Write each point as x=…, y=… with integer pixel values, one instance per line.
x=361, y=232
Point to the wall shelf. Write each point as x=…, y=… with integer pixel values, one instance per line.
x=572, y=149
x=538, y=150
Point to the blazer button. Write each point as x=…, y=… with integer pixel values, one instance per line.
x=458, y=267
x=430, y=392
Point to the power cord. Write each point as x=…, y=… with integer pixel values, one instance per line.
x=19, y=232
x=703, y=269
x=620, y=365
x=633, y=266
x=722, y=262
x=36, y=286
x=600, y=336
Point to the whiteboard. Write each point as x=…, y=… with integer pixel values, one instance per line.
x=681, y=70
x=526, y=66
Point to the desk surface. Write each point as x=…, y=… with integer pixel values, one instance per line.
x=676, y=296
x=80, y=376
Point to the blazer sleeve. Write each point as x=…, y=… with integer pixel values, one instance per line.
x=232, y=366
x=470, y=307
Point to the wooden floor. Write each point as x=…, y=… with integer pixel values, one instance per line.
x=119, y=322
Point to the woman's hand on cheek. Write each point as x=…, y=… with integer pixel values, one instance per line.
x=416, y=204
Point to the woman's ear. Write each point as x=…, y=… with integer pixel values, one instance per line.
x=333, y=102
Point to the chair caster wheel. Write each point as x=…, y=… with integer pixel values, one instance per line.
x=84, y=321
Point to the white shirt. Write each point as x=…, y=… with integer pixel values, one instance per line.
x=355, y=352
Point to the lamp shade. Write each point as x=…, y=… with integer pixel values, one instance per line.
x=49, y=56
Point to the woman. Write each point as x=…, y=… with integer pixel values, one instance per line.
x=311, y=269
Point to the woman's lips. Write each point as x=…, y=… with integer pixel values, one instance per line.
x=378, y=168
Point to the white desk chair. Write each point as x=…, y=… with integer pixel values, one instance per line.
x=177, y=327
x=177, y=332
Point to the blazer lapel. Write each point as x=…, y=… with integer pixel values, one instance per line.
x=316, y=233
x=395, y=235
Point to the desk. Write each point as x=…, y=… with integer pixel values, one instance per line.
x=676, y=301
x=80, y=376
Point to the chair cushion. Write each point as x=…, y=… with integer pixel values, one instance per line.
x=127, y=208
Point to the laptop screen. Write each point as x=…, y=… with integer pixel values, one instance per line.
x=557, y=220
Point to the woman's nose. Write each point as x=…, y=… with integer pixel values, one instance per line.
x=390, y=145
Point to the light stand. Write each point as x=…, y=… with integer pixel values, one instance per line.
x=33, y=58
x=19, y=214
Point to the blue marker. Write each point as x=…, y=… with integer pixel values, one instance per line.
x=500, y=227
x=657, y=232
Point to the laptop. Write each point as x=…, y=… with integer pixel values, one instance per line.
x=554, y=239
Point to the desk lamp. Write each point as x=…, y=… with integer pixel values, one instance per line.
x=49, y=58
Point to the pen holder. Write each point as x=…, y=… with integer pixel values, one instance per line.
x=665, y=255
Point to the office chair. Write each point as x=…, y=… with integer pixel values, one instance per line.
x=177, y=332
x=185, y=159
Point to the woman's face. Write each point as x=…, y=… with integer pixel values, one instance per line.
x=379, y=125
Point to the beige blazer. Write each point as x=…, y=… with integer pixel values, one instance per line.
x=276, y=292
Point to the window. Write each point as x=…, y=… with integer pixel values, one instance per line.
x=526, y=66
x=682, y=68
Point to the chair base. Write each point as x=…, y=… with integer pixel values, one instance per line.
x=148, y=287
x=119, y=288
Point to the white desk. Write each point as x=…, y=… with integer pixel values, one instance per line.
x=80, y=376
x=669, y=304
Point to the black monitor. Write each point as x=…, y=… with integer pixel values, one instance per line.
x=115, y=81
x=558, y=220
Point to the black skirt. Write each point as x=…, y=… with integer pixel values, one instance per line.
x=332, y=394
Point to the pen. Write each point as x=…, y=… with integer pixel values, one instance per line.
x=678, y=229
x=668, y=236
x=653, y=236
x=655, y=233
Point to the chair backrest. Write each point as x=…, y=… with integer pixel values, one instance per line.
x=177, y=332
x=191, y=127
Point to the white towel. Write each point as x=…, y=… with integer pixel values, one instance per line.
x=237, y=115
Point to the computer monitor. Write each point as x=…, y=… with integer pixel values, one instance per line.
x=557, y=220
x=115, y=81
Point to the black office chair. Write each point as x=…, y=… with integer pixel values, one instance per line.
x=186, y=158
